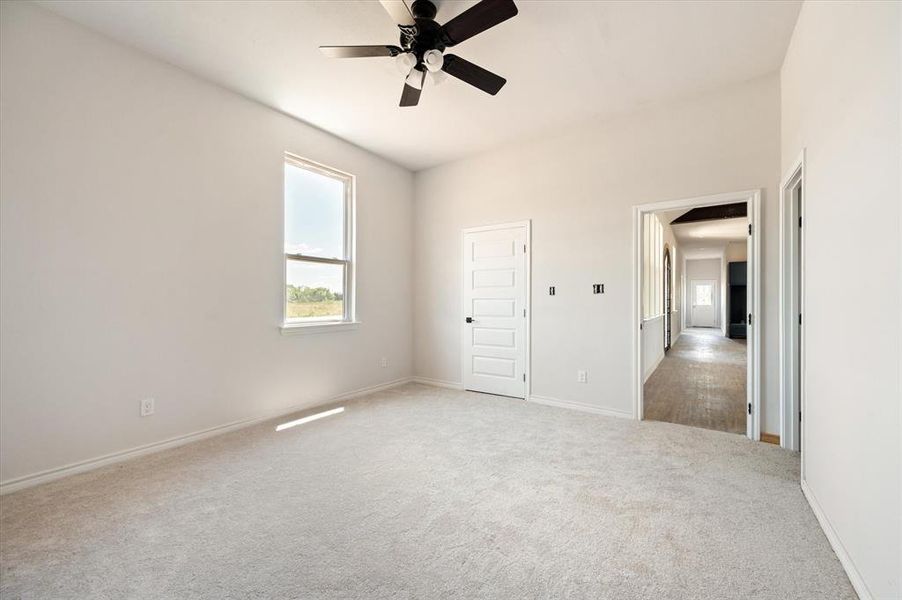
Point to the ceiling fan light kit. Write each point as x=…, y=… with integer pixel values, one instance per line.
x=433, y=60
x=423, y=43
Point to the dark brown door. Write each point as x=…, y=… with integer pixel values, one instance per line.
x=667, y=281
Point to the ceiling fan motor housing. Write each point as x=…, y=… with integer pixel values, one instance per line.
x=423, y=9
x=428, y=34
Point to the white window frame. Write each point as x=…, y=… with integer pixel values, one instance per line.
x=348, y=320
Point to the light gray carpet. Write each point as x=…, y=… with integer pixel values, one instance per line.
x=420, y=492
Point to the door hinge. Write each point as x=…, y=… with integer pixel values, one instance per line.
x=524, y=312
x=524, y=376
x=750, y=408
x=800, y=221
x=800, y=318
x=524, y=248
x=750, y=318
x=750, y=229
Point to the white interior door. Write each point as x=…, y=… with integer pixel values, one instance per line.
x=494, y=304
x=704, y=302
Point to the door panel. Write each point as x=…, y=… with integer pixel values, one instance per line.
x=503, y=338
x=494, y=299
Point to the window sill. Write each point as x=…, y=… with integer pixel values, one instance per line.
x=328, y=327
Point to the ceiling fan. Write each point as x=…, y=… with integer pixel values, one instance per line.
x=423, y=42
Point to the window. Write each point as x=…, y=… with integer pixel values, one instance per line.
x=319, y=268
x=704, y=294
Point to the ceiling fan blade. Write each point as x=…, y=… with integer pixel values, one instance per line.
x=473, y=74
x=477, y=19
x=359, y=51
x=398, y=11
x=410, y=95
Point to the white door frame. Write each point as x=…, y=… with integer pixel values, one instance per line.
x=790, y=406
x=463, y=308
x=753, y=387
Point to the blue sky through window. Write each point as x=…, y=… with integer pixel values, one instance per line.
x=314, y=225
x=314, y=213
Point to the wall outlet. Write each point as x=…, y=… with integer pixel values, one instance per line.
x=582, y=377
x=146, y=407
x=384, y=362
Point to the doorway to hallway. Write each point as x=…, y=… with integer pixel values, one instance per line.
x=690, y=367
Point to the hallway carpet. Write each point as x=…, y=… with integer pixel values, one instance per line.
x=701, y=382
x=420, y=492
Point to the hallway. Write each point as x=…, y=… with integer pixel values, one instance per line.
x=700, y=382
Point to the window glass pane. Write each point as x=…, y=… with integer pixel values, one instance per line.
x=659, y=267
x=314, y=291
x=704, y=294
x=314, y=213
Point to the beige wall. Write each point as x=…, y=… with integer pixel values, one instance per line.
x=140, y=253
x=841, y=104
x=578, y=186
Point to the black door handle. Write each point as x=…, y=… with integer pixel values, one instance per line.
x=469, y=319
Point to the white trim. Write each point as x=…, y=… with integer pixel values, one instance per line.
x=789, y=411
x=26, y=481
x=451, y=385
x=722, y=315
x=527, y=362
x=756, y=309
x=495, y=226
x=608, y=412
x=753, y=198
x=845, y=560
x=308, y=327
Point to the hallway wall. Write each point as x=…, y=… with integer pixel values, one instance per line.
x=653, y=330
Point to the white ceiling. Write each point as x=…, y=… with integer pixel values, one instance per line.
x=565, y=62
x=716, y=231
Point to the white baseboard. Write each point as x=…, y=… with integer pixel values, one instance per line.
x=845, y=560
x=451, y=385
x=608, y=412
x=26, y=481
